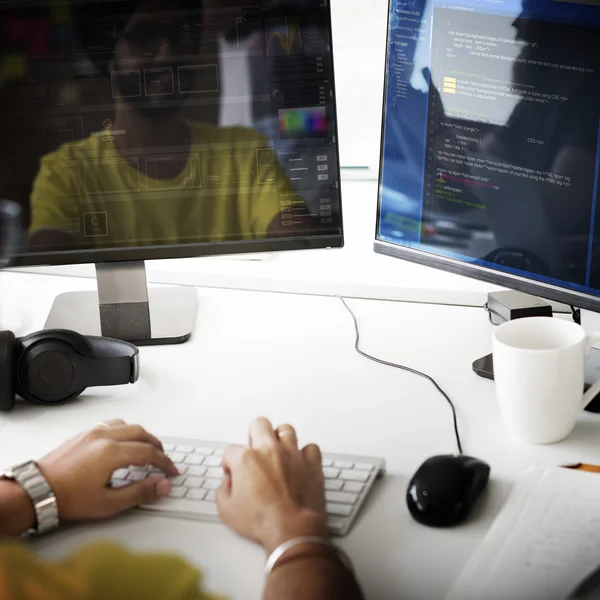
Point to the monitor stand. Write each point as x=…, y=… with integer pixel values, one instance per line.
x=124, y=308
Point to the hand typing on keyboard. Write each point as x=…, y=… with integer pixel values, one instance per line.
x=272, y=491
x=79, y=471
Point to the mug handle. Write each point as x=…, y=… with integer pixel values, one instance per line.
x=595, y=388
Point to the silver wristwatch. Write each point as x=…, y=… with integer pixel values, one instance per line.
x=31, y=479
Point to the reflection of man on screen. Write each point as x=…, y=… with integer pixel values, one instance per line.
x=152, y=176
x=539, y=166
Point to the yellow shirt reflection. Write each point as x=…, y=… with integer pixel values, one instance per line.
x=228, y=187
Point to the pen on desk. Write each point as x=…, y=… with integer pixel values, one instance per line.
x=583, y=467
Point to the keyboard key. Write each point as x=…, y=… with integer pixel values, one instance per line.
x=211, y=496
x=219, y=451
x=178, y=492
x=184, y=505
x=196, y=471
x=335, y=485
x=211, y=484
x=177, y=481
x=155, y=471
x=342, y=510
x=184, y=449
x=194, y=482
x=336, y=525
x=194, y=459
x=213, y=461
x=215, y=473
x=205, y=451
x=168, y=447
x=354, y=488
x=176, y=457
x=342, y=464
x=139, y=469
x=120, y=474
x=196, y=494
x=136, y=475
x=331, y=473
x=119, y=483
x=354, y=476
x=341, y=497
x=181, y=467
x=364, y=467
x=327, y=463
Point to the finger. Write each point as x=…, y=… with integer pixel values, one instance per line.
x=232, y=458
x=132, y=433
x=110, y=423
x=287, y=436
x=312, y=453
x=262, y=434
x=140, y=492
x=139, y=454
x=226, y=482
x=223, y=498
x=225, y=488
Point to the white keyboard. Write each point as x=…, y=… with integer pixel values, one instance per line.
x=348, y=481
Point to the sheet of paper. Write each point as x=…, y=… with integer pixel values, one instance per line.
x=545, y=540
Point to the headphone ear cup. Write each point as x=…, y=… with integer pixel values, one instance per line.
x=47, y=369
x=7, y=390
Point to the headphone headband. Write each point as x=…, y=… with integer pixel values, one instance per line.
x=115, y=362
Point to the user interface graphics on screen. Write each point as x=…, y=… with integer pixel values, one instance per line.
x=167, y=123
x=490, y=149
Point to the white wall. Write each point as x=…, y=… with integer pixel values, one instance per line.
x=359, y=42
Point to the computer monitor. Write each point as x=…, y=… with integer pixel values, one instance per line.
x=157, y=129
x=490, y=147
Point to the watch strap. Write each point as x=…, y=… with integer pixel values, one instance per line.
x=32, y=480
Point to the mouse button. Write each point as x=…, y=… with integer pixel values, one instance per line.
x=481, y=476
x=445, y=481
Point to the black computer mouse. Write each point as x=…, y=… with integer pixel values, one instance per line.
x=445, y=488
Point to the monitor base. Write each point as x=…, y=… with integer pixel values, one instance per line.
x=484, y=367
x=124, y=308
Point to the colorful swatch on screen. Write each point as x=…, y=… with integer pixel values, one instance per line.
x=303, y=122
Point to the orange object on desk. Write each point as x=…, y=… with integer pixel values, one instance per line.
x=583, y=467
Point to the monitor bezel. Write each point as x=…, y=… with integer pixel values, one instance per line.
x=501, y=279
x=452, y=265
x=319, y=241
x=77, y=257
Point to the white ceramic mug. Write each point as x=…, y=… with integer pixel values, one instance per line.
x=539, y=370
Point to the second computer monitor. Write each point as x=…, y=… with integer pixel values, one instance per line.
x=490, y=152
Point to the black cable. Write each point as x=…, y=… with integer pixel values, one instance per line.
x=576, y=315
x=407, y=369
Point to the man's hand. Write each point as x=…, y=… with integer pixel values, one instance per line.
x=272, y=491
x=80, y=470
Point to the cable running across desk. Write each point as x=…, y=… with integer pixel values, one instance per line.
x=408, y=370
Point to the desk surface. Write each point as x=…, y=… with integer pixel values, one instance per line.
x=291, y=358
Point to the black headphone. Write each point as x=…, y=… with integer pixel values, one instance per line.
x=55, y=366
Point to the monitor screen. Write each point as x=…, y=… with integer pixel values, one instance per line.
x=161, y=128
x=490, y=150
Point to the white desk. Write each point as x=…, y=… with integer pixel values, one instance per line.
x=291, y=358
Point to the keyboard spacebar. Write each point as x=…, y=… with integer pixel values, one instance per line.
x=181, y=505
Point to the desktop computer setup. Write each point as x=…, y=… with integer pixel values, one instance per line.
x=192, y=132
